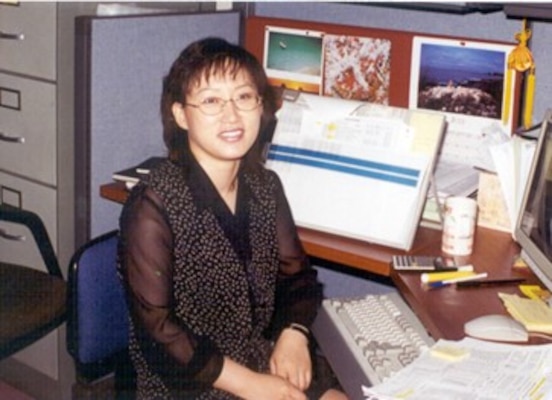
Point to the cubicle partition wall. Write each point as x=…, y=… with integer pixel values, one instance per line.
x=120, y=63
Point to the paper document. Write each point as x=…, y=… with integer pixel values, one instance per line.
x=472, y=369
x=512, y=160
x=454, y=179
x=492, y=210
x=355, y=169
x=468, y=140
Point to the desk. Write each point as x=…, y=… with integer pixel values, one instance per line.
x=443, y=311
x=338, y=249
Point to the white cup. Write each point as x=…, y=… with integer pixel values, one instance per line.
x=459, y=226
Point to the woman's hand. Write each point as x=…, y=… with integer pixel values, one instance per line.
x=272, y=387
x=249, y=385
x=291, y=359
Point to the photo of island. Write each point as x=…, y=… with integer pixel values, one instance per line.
x=461, y=78
x=293, y=58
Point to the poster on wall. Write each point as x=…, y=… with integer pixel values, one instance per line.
x=465, y=80
x=293, y=58
x=357, y=68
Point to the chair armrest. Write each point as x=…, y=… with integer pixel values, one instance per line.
x=36, y=226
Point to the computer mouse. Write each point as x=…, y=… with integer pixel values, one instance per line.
x=496, y=327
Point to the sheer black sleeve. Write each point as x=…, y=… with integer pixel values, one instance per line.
x=298, y=292
x=147, y=269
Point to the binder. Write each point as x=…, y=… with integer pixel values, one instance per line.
x=131, y=176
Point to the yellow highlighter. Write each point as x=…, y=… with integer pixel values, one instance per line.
x=429, y=277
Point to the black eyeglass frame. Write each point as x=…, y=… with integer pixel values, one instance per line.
x=223, y=103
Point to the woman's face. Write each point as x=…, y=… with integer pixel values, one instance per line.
x=230, y=133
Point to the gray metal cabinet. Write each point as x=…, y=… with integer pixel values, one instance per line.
x=36, y=157
x=28, y=44
x=28, y=123
x=28, y=138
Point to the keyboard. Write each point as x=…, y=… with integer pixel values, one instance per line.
x=367, y=339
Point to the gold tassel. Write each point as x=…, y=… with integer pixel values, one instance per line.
x=520, y=60
x=529, y=96
x=507, y=96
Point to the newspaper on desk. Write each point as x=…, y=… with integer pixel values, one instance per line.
x=472, y=369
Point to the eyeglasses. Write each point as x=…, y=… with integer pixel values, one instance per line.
x=215, y=105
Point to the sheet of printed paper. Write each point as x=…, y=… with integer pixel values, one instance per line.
x=486, y=370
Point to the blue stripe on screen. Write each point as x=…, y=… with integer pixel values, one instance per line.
x=320, y=160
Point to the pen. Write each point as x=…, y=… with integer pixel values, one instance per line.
x=466, y=270
x=447, y=282
x=468, y=267
x=490, y=282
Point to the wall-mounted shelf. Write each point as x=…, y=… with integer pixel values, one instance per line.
x=455, y=7
x=535, y=11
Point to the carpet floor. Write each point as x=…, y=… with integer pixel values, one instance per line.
x=10, y=393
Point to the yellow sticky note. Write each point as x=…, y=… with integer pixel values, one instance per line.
x=535, y=292
x=519, y=262
x=449, y=352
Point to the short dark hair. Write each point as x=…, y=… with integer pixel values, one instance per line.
x=203, y=59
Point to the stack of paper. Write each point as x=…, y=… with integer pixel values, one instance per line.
x=534, y=314
x=472, y=369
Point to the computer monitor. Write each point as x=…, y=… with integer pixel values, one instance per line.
x=533, y=229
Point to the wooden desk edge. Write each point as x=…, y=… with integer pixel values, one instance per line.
x=114, y=191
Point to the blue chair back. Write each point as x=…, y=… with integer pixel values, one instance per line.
x=97, y=328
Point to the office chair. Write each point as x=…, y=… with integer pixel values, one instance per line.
x=97, y=321
x=32, y=302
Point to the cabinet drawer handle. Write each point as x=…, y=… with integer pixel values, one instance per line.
x=11, y=139
x=12, y=36
x=9, y=236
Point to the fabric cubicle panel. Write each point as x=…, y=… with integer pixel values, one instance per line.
x=120, y=63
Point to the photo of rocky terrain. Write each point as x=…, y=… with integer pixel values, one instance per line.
x=461, y=80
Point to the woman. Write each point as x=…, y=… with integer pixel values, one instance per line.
x=219, y=288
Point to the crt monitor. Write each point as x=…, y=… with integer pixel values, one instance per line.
x=533, y=229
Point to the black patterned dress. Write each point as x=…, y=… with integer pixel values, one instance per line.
x=204, y=283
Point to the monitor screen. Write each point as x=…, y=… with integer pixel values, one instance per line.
x=533, y=230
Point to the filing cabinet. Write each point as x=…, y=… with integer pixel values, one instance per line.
x=28, y=115
x=36, y=161
x=28, y=35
